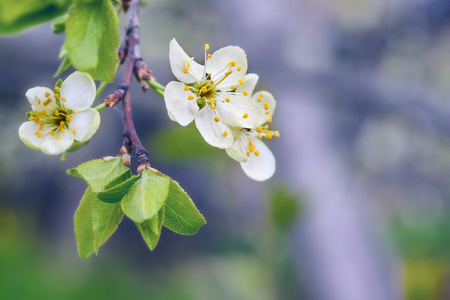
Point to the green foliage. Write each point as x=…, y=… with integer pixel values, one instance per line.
x=284, y=206
x=59, y=24
x=150, y=199
x=181, y=215
x=93, y=38
x=16, y=15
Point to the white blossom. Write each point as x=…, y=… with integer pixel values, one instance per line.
x=60, y=117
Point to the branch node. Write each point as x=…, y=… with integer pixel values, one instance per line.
x=116, y=96
x=142, y=73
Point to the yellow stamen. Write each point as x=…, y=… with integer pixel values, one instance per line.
x=186, y=70
x=57, y=89
x=239, y=68
x=266, y=105
x=59, y=139
x=261, y=95
x=212, y=82
x=245, y=116
x=260, y=137
x=57, y=113
x=206, y=47
x=252, y=148
x=204, y=89
x=188, y=64
x=47, y=94
x=225, y=133
x=56, y=96
x=61, y=124
x=227, y=99
x=248, y=154
x=190, y=97
x=41, y=125
x=40, y=135
x=52, y=133
x=241, y=82
x=74, y=131
x=256, y=153
x=250, y=142
x=267, y=112
x=277, y=133
x=68, y=117
x=217, y=119
x=63, y=99
x=61, y=129
x=209, y=56
x=232, y=87
x=39, y=101
x=47, y=102
x=213, y=107
x=232, y=63
x=259, y=99
x=259, y=128
x=212, y=101
x=245, y=93
x=266, y=127
x=268, y=135
x=269, y=120
x=36, y=132
x=186, y=88
x=42, y=113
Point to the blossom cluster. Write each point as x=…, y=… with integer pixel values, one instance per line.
x=219, y=97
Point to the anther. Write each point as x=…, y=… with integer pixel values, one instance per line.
x=204, y=89
x=57, y=113
x=47, y=102
x=225, y=133
x=259, y=137
x=232, y=87
x=266, y=105
x=40, y=134
x=186, y=88
x=36, y=132
x=259, y=128
x=267, y=112
x=74, y=111
x=217, y=119
x=268, y=135
x=209, y=56
x=58, y=139
x=68, y=117
x=213, y=107
x=52, y=133
x=63, y=99
x=42, y=113
x=213, y=101
x=56, y=96
x=245, y=93
x=188, y=64
x=239, y=68
x=256, y=153
x=47, y=94
x=227, y=99
x=41, y=126
x=277, y=133
x=232, y=63
x=61, y=124
x=212, y=82
x=61, y=129
x=206, y=47
x=74, y=131
x=190, y=97
x=266, y=127
x=261, y=95
x=248, y=154
x=245, y=116
x=259, y=99
x=186, y=70
x=39, y=101
x=269, y=119
x=57, y=89
x=250, y=142
x=241, y=82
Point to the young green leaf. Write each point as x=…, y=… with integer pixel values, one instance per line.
x=180, y=214
x=93, y=38
x=98, y=173
x=116, y=193
x=106, y=219
x=146, y=197
x=83, y=221
x=151, y=229
x=16, y=15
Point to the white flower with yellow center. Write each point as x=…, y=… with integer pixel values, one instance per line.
x=215, y=94
x=60, y=117
x=256, y=159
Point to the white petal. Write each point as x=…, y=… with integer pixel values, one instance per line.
x=238, y=150
x=221, y=58
x=180, y=109
x=85, y=123
x=79, y=91
x=36, y=97
x=259, y=167
x=233, y=112
x=212, y=131
x=266, y=98
x=178, y=59
x=57, y=144
x=26, y=134
x=250, y=81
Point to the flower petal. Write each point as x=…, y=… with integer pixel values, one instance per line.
x=213, y=132
x=262, y=166
x=180, y=109
x=266, y=102
x=238, y=150
x=36, y=97
x=85, y=123
x=58, y=143
x=250, y=81
x=219, y=61
x=26, y=134
x=240, y=111
x=79, y=91
x=178, y=59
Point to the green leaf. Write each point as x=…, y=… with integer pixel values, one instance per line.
x=106, y=219
x=181, y=215
x=93, y=38
x=151, y=229
x=98, y=173
x=83, y=221
x=284, y=206
x=146, y=197
x=116, y=193
x=16, y=15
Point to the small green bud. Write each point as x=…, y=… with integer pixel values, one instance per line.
x=59, y=24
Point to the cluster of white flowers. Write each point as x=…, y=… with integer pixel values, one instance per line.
x=219, y=97
x=60, y=117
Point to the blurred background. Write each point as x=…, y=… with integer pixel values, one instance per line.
x=358, y=209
